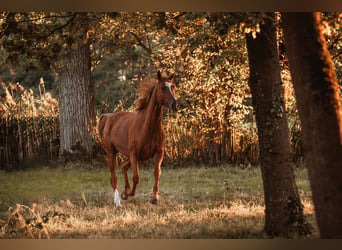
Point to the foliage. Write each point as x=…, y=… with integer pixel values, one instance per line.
x=43, y=37
x=214, y=85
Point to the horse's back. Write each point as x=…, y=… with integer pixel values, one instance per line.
x=121, y=119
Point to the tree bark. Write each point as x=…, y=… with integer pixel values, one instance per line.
x=76, y=101
x=283, y=208
x=319, y=107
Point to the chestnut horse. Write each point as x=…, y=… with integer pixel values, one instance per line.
x=138, y=135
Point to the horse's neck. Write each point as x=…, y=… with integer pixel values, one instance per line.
x=153, y=115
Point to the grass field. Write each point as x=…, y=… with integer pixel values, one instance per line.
x=195, y=202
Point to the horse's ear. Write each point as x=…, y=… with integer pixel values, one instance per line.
x=159, y=75
x=171, y=77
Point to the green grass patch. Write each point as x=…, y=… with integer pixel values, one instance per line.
x=47, y=184
x=195, y=202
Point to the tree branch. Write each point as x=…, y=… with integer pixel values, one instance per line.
x=334, y=18
x=179, y=15
x=60, y=27
x=45, y=17
x=140, y=42
x=337, y=55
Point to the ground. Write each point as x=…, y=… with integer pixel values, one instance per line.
x=195, y=202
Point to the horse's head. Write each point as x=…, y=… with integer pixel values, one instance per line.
x=166, y=91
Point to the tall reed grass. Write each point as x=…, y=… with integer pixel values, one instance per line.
x=29, y=125
x=188, y=140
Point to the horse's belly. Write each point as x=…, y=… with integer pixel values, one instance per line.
x=146, y=153
x=120, y=138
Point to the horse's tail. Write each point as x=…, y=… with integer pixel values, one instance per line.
x=102, y=123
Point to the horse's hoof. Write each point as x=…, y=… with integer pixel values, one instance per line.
x=124, y=196
x=154, y=201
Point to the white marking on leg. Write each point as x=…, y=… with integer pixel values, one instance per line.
x=117, y=200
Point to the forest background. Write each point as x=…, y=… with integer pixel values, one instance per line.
x=207, y=51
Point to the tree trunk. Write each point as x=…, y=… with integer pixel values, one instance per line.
x=76, y=102
x=319, y=107
x=283, y=208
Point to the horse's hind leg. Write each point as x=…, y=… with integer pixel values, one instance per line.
x=136, y=177
x=113, y=177
x=125, y=166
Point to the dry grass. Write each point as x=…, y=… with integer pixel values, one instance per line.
x=195, y=202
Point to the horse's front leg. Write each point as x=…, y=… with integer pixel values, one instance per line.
x=158, y=158
x=136, y=177
x=125, y=166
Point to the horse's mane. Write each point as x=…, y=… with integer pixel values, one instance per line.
x=145, y=91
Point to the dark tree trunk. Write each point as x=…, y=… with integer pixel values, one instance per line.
x=76, y=101
x=319, y=107
x=283, y=208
